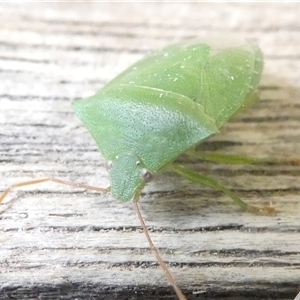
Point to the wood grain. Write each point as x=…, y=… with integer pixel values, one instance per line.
x=64, y=243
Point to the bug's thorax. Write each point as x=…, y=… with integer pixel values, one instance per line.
x=128, y=176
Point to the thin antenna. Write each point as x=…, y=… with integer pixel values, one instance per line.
x=157, y=255
x=53, y=179
x=105, y=190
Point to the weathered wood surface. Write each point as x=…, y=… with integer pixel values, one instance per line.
x=59, y=242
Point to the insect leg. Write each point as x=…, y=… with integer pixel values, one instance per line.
x=225, y=158
x=210, y=182
x=238, y=159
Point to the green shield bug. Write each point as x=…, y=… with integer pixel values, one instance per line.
x=165, y=105
x=161, y=107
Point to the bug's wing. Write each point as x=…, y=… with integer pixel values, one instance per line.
x=229, y=81
x=222, y=81
x=176, y=68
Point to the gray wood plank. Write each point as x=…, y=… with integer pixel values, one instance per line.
x=60, y=242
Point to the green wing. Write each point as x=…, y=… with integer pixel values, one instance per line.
x=221, y=81
x=229, y=80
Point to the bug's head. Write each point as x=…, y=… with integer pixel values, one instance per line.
x=128, y=176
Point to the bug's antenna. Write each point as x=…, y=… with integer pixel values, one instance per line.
x=53, y=179
x=157, y=255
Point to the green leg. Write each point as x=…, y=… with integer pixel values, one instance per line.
x=227, y=158
x=210, y=182
x=241, y=160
